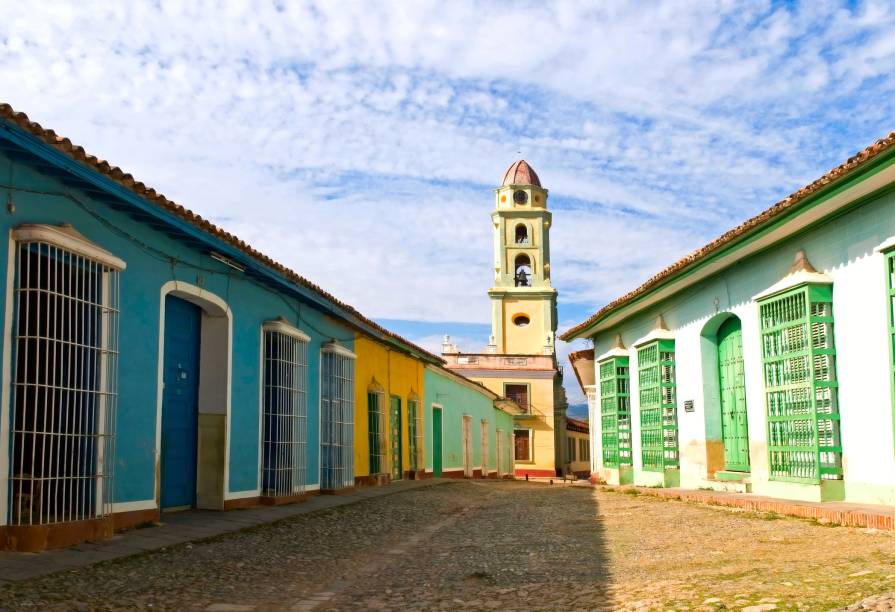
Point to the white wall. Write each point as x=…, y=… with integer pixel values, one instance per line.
x=842, y=249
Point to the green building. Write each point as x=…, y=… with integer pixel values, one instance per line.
x=471, y=433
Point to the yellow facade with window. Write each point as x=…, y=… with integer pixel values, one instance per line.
x=389, y=375
x=537, y=457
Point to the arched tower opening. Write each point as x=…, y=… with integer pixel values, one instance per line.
x=522, y=270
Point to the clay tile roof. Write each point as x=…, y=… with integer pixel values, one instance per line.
x=577, y=425
x=789, y=202
x=520, y=173
x=122, y=178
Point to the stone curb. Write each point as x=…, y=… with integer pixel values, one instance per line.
x=858, y=515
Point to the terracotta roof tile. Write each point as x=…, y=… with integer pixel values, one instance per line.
x=577, y=425
x=520, y=173
x=119, y=176
x=836, y=174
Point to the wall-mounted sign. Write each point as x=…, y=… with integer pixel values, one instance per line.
x=688, y=406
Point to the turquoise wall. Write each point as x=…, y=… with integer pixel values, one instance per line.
x=457, y=400
x=153, y=259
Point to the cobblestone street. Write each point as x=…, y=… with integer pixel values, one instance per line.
x=494, y=545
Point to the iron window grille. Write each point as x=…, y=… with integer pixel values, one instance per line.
x=801, y=391
x=377, y=426
x=65, y=374
x=416, y=434
x=336, y=417
x=615, y=412
x=658, y=406
x=890, y=307
x=395, y=436
x=284, y=465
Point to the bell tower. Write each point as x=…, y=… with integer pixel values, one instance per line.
x=523, y=302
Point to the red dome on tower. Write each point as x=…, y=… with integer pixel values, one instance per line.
x=520, y=173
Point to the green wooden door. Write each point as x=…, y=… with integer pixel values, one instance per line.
x=397, y=466
x=734, y=425
x=436, y=442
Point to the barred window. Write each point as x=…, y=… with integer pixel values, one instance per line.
x=615, y=412
x=64, y=398
x=416, y=434
x=336, y=417
x=377, y=426
x=890, y=308
x=658, y=405
x=801, y=390
x=285, y=409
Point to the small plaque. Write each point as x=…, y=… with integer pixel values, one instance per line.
x=688, y=406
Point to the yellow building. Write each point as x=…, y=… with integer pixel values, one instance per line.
x=389, y=423
x=519, y=362
x=577, y=448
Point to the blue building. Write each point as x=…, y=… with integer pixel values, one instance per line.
x=151, y=360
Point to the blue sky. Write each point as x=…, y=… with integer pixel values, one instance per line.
x=358, y=142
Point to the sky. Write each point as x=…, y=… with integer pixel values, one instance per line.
x=359, y=142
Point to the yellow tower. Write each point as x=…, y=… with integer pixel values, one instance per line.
x=520, y=361
x=523, y=303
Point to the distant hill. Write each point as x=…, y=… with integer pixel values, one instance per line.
x=578, y=411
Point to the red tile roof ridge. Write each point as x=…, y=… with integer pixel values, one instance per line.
x=836, y=174
x=123, y=178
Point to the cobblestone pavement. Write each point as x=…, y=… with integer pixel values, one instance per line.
x=495, y=545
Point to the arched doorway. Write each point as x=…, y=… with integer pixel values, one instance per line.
x=732, y=387
x=194, y=398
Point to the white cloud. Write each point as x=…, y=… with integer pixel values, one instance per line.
x=357, y=142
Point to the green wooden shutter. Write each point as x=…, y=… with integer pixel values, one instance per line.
x=658, y=406
x=374, y=420
x=890, y=307
x=615, y=412
x=801, y=392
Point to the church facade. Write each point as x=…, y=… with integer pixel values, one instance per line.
x=763, y=362
x=519, y=362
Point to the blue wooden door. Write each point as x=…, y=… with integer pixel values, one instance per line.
x=180, y=403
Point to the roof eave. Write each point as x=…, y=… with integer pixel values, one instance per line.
x=819, y=190
x=33, y=145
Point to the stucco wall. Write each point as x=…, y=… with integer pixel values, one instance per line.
x=541, y=396
x=457, y=400
x=844, y=250
x=154, y=259
x=400, y=375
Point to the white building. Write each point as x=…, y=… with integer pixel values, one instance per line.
x=762, y=362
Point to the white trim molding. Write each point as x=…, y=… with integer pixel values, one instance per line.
x=213, y=306
x=335, y=347
x=68, y=238
x=242, y=494
x=134, y=506
x=282, y=326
